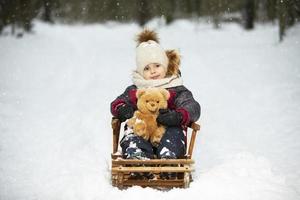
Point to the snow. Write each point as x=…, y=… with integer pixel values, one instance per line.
x=164, y=150
x=56, y=86
x=133, y=145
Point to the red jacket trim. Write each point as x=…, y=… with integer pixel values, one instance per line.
x=132, y=96
x=171, y=100
x=185, y=116
x=115, y=105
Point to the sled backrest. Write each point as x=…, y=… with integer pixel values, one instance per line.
x=116, y=126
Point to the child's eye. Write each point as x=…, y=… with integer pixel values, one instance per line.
x=157, y=65
x=146, y=68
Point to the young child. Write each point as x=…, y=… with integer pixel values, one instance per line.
x=157, y=68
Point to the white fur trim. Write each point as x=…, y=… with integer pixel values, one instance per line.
x=168, y=82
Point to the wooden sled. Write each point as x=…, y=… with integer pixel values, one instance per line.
x=122, y=169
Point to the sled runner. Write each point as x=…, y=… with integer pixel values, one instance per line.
x=122, y=170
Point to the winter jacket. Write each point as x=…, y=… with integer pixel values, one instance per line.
x=181, y=100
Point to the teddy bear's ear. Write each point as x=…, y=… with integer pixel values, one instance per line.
x=165, y=93
x=140, y=92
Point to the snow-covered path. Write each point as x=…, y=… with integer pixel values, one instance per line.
x=56, y=87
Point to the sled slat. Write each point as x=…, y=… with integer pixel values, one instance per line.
x=116, y=156
x=157, y=183
x=152, y=169
x=152, y=161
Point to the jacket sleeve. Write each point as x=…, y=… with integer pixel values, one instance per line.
x=127, y=97
x=188, y=107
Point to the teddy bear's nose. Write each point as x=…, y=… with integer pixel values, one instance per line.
x=152, y=104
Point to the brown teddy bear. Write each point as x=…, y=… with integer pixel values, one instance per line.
x=143, y=121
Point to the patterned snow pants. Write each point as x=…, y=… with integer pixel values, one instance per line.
x=171, y=146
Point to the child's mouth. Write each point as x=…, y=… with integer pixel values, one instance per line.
x=155, y=77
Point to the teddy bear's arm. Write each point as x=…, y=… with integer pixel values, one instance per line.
x=138, y=125
x=131, y=122
x=157, y=135
x=140, y=129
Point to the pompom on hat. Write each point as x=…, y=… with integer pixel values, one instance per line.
x=149, y=51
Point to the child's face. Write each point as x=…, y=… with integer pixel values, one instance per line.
x=154, y=71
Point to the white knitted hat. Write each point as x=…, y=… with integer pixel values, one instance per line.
x=150, y=52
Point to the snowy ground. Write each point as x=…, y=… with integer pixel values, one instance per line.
x=56, y=86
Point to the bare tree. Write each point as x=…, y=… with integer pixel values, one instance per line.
x=47, y=14
x=143, y=12
x=249, y=14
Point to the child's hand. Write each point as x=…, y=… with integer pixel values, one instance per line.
x=125, y=112
x=169, y=117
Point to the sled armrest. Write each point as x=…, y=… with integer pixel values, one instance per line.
x=195, y=127
x=116, y=126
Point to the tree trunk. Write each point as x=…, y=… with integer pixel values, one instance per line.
x=47, y=4
x=282, y=17
x=249, y=14
x=143, y=12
